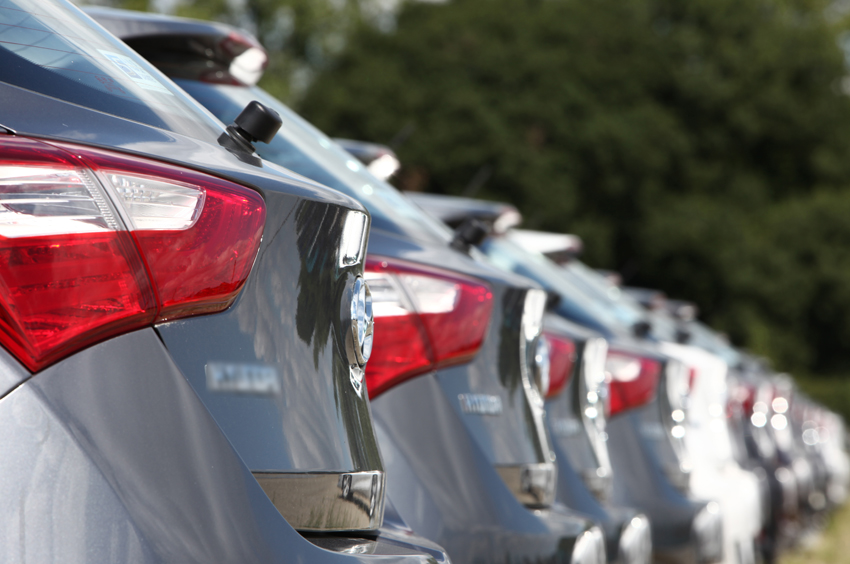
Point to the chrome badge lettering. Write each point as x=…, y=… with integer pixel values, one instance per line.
x=480, y=404
x=242, y=378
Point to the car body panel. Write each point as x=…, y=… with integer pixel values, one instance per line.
x=461, y=502
x=116, y=442
x=292, y=318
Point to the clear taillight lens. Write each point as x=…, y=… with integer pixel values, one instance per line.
x=425, y=318
x=633, y=380
x=562, y=359
x=94, y=243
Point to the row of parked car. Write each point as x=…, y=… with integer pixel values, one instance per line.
x=239, y=343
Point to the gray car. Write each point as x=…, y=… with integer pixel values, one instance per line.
x=650, y=471
x=456, y=405
x=182, y=354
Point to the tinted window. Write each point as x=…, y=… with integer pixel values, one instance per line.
x=625, y=306
x=581, y=305
x=703, y=336
x=50, y=47
x=304, y=149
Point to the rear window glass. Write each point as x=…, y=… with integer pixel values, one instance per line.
x=575, y=297
x=50, y=47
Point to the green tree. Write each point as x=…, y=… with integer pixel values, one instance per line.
x=678, y=138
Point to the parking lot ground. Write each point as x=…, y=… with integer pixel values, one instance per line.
x=831, y=546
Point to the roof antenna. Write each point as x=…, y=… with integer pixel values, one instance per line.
x=256, y=123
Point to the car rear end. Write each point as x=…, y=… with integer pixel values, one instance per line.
x=716, y=474
x=480, y=381
x=175, y=326
x=577, y=407
x=650, y=466
x=467, y=457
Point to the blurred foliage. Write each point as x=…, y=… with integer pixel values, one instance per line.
x=831, y=392
x=699, y=147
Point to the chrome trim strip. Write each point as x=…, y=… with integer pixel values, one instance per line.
x=532, y=484
x=327, y=501
x=599, y=482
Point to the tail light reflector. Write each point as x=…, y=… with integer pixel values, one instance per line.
x=562, y=359
x=693, y=373
x=633, y=380
x=741, y=400
x=94, y=243
x=425, y=318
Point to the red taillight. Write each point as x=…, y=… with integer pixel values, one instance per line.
x=741, y=399
x=425, y=318
x=692, y=378
x=562, y=359
x=633, y=380
x=94, y=243
x=248, y=60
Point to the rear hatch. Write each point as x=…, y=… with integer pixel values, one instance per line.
x=272, y=368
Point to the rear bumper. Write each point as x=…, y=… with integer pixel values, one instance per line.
x=447, y=490
x=110, y=456
x=627, y=532
x=681, y=527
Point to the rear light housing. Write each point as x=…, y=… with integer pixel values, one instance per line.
x=633, y=380
x=95, y=243
x=693, y=373
x=562, y=361
x=248, y=59
x=425, y=318
x=740, y=402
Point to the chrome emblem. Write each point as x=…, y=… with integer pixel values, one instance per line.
x=359, y=345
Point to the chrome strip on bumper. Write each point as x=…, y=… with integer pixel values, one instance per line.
x=327, y=501
x=532, y=484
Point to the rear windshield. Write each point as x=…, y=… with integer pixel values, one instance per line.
x=582, y=304
x=703, y=336
x=627, y=308
x=304, y=149
x=51, y=47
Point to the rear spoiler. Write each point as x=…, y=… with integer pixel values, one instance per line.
x=379, y=159
x=498, y=217
x=559, y=247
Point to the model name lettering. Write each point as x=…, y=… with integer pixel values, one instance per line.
x=242, y=378
x=480, y=404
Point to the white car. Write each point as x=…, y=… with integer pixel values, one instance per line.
x=716, y=475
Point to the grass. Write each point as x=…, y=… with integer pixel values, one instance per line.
x=832, y=546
